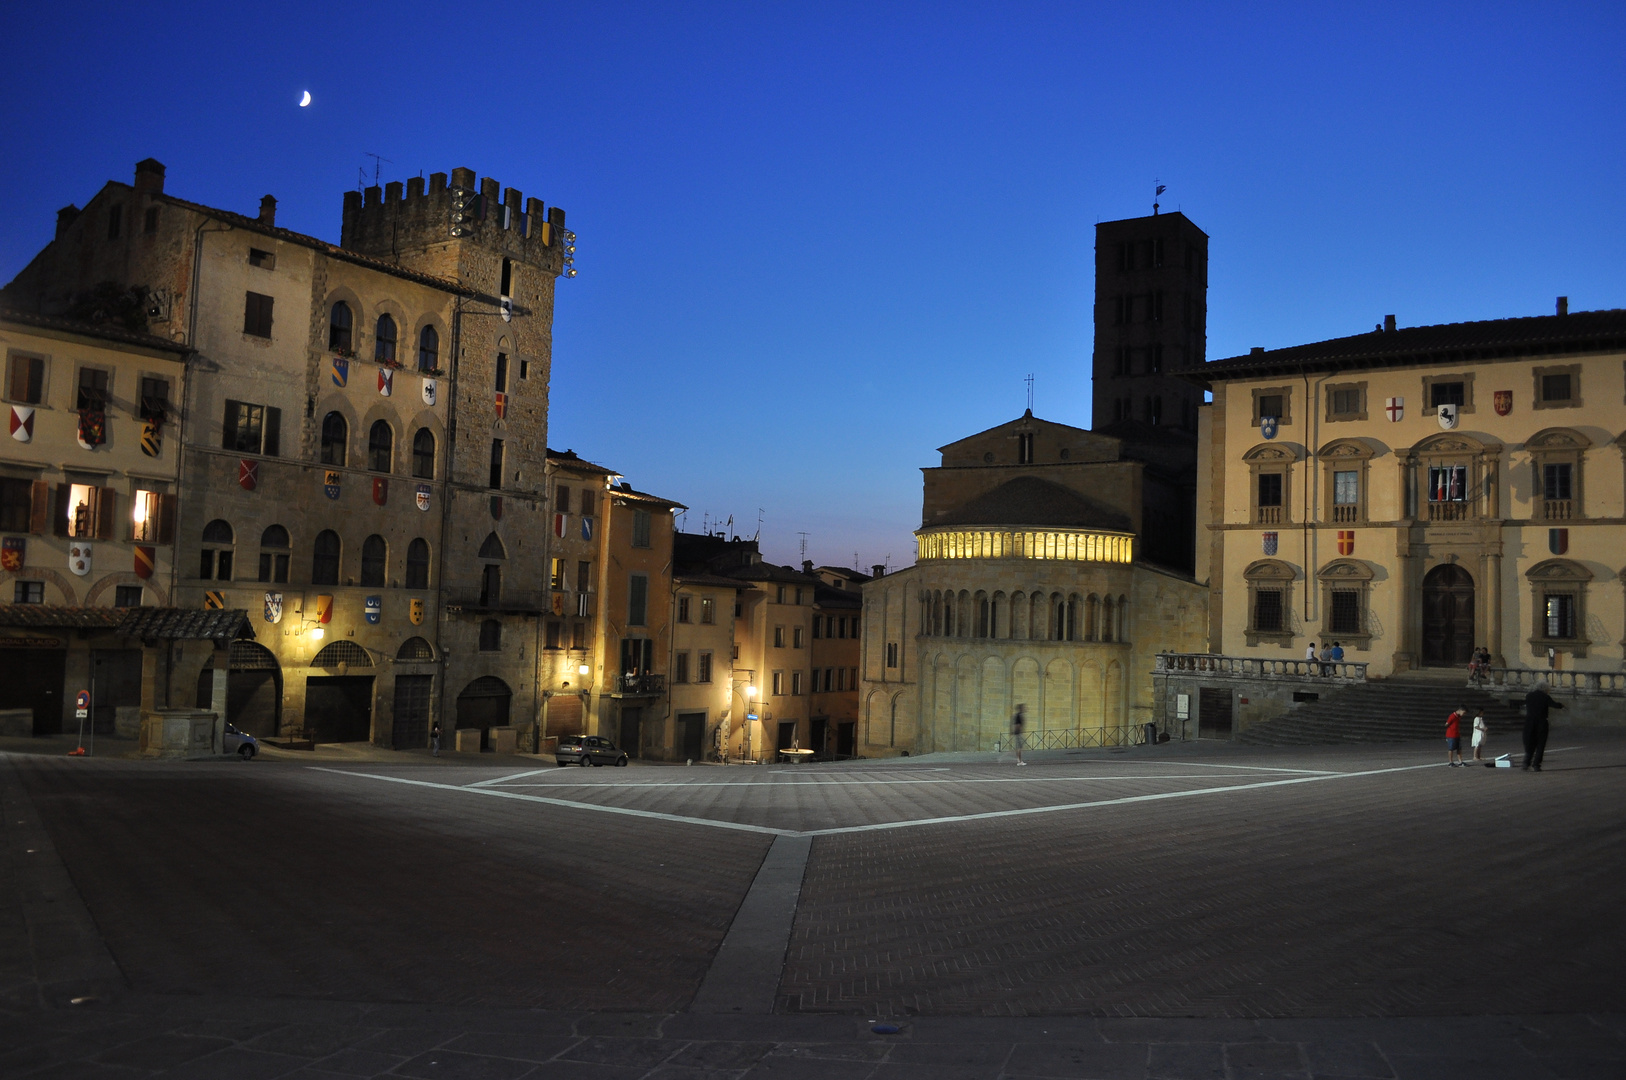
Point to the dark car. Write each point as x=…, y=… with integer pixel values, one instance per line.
x=585, y=750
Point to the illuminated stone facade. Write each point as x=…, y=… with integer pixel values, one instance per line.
x=1031, y=588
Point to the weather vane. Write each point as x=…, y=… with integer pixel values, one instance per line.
x=1029, y=381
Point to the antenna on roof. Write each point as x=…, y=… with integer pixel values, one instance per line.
x=1029, y=381
x=1161, y=188
x=803, y=557
x=377, y=164
x=760, y=513
x=855, y=560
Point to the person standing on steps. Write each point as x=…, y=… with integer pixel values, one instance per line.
x=1453, y=737
x=1016, y=732
x=1480, y=733
x=1536, y=704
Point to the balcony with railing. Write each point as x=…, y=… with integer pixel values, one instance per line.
x=1450, y=510
x=1268, y=515
x=1345, y=514
x=640, y=685
x=1213, y=665
x=1557, y=509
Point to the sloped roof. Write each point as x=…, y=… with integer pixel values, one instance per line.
x=1028, y=500
x=189, y=624
x=1447, y=343
x=1028, y=420
x=52, y=616
x=106, y=333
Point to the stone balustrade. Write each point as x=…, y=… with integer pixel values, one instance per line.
x=1213, y=665
x=1598, y=683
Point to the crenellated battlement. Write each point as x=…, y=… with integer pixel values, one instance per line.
x=407, y=222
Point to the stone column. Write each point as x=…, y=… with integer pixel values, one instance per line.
x=1493, y=604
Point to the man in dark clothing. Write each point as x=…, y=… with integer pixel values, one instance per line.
x=1536, y=704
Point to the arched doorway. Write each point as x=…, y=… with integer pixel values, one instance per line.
x=483, y=704
x=253, y=689
x=1448, y=616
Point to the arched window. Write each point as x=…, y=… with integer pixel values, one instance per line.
x=217, y=551
x=491, y=547
x=374, y=556
x=338, y=327
x=417, y=566
x=490, y=635
x=1122, y=632
x=384, y=340
x=428, y=349
x=1108, y=620
x=325, y=560
x=274, y=554
x=335, y=434
x=423, y=454
x=415, y=649
x=380, y=446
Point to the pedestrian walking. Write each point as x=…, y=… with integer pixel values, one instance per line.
x=1453, y=737
x=1016, y=732
x=1480, y=731
x=1536, y=704
x=434, y=738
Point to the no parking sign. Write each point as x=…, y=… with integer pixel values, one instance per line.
x=81, y=705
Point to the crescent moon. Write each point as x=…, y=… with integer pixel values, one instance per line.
x=306, y=100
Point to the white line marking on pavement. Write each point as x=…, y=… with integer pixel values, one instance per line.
x=495, y=780
x=1262, y=768
x=666, y=785
x=882, y=826
x=498, y=793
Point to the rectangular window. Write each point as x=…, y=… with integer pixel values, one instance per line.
x=28, y=592
x=274, y=569
x=892, y=654
x=796, y=684
x=150, y=220
x=1556, y=387
x=680, y=668
x=778, y=684
x=1560, y=611
x=1270, y=489
x=683, y=609
x=779, y=637
x=257, y=314
x=554, y=634
x=154, y=402
x=115, y=221
x=584, y=577
x=640, y=528
x=638, y=600
x=557, y=577
x=496, y=464
x=1270, y=405
x=1267, y=610
x=16, y=504
x=146, y=511
x=1346, y=611
x=1344, y=402
x=265, y=260
x=92, y=390
x=127, y=596
x=818, y=627
x=841, y=627
x=779, y=594
x=25, y=382
x=244, y=427
x=82, y=510
x=796, y=637
x=1346, y=488
x=578, y=635
x=588, y=501
x=1445, y=393
x=502, y=372
x=708, y=611
x=561, y=499
x=1447, y=483
x=703, y=668
x=1555, y=481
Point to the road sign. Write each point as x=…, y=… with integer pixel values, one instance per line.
x=81, y=705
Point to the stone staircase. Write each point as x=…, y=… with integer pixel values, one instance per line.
x=1404, y=708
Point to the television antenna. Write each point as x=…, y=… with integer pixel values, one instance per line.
x=1029, y=381
x=378, y=163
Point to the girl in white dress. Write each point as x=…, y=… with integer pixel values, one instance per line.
x=1480, y=732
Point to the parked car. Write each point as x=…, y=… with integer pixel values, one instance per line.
x=585, y=750
x=241, y=743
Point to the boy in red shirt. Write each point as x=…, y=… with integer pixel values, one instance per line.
x=1453, y=737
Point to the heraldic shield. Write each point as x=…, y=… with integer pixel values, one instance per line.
x=415, y=611
x=1558, y=541
x=423, y=496
x=341, y=371
x=146, y=559
x=1395, y=409
x=1448, y=416
x=1504, y=402
x=330, y=483
x=429, y=391
x=1271, y=543
x=13, y=553
x=1268, y=426
x=381, y=490
x=273, y=607
x=1346, y=541
x=373, y=608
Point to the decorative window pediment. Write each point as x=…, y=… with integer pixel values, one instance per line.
x=1351, y=570
x=1269, y=570
x=1271, y=452
x=1558, y=570
x=1557, y=438
x=1348, y=449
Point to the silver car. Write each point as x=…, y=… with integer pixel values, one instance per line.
x=241, y=743
x=585, y=750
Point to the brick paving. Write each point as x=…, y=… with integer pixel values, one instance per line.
x=272, y=920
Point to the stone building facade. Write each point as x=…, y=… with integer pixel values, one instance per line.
x=1416, y=492
x=1031, y=588
x=365, y=432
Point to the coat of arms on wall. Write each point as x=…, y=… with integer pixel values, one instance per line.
x=1448, y=416
x=13, y=553
x=373, y=608
x=1270, y=543
x=386, y=382
x=1558, y=541
x=423, y=496
x=214, y=601
x=381, y=490
x=429, y=391
x=341, y=371
x=152, y=438
x=587, y=528
x=92, y=428
x=22, y=423
x=330, y=483
x=324, y=608
x=79, y=557
x=1268, y=426
x=146, y=560
x=1346, y=541
x=415, y=611
x=1504, y=402
x=1394, y=408
x=273, y=607
x=248, y=474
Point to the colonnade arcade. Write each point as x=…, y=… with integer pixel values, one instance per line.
x=1024, y=616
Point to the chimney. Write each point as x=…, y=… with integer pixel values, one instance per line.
x=807, y=566
x=878, y=570
x=1563, y=305
x=1257, y=350
x=149, y=178
x=1388, y=324
x=268, y=210
x=64, y=218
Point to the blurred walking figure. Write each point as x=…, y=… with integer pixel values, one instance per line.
x=1536, y=704
x=1480, y=731
x=1017, y=721
x=434, y=738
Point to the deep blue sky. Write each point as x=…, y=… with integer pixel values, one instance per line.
x=819, y=241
